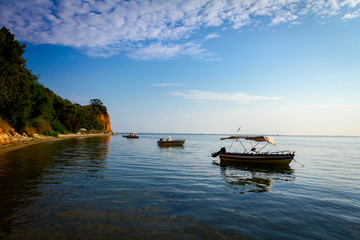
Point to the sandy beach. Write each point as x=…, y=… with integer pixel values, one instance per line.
x=38, y=139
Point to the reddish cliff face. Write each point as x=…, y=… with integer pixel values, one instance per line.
x=104, y=119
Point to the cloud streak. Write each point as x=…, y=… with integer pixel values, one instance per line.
x=162, y=51
x=238, y=97
x=147, y=29
x=211, y=36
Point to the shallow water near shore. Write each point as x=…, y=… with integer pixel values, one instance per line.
x=116, y=188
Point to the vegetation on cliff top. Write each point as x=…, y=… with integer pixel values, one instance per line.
x=30, y=107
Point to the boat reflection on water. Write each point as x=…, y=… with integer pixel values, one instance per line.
x=246, y=178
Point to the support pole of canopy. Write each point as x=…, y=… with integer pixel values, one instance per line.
x=242, y=145
x=264, y=146
x=255, y=144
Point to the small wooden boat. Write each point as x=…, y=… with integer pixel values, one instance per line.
x=253, y=155
x=171, y=143
x=130, y=135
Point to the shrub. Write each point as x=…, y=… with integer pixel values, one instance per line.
x=4, y=126
x=51, y=133
x=57, y=127
x=41, y=125
x=29, y=130
x=30, y=135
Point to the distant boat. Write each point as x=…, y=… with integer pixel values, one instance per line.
x=253, y=155
x=171, y=143
x=130, y=135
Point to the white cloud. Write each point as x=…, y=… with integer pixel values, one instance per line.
x=211, y=36
x=156, y=51
x=238, y=97
x=160, y=51
x=351, y=3
x=351, y=15
x=150, y=29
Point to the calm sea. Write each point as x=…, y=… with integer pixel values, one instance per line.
x=117, y=188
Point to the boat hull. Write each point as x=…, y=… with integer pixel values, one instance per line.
x=131, y=136
x=263, y=158
x=172, y=143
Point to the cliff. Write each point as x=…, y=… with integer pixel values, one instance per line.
x=104, y=119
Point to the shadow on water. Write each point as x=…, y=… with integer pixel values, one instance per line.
x=247, y=178
x=23, y=171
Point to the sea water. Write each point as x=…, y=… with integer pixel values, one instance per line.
x=118, y=188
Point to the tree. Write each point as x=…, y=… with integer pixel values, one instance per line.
x=96, y=102
x=98, y=106
x=15, y=81
x=42, y=103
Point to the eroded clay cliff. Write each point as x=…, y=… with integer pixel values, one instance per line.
x=104, y=119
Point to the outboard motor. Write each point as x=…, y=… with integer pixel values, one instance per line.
x=215, y=154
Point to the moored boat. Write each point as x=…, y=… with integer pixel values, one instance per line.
x=253, y=155
x=171, y=143
x=130, y=135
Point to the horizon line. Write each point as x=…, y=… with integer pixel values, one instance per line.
x=294, y=135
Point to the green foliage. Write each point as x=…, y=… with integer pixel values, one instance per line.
x=42, y=102
x=30, y=135
x=87, y=119
x=24, y=102
x=16, y=82
x=58, y=127
x=41, y=125
x=98, y=106
x=51, y=134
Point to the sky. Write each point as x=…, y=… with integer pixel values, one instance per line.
x=288, y=67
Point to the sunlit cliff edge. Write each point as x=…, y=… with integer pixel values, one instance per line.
x=104, y=119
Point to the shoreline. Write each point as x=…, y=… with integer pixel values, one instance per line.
x=38, y=139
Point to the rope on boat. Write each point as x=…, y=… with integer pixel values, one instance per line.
x=299, y=163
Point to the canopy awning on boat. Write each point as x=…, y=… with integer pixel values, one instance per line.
x=253, y=138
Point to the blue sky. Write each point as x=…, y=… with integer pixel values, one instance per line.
x=209, y=66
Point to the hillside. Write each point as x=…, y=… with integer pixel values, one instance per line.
x=27, y=107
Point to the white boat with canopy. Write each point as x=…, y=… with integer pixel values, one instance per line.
x=171, y=142
x=253, y=155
